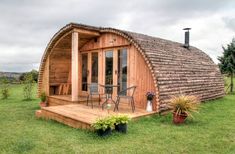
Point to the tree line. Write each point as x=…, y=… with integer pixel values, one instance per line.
x=27, y=79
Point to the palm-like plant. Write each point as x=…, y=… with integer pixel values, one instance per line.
x=184, y=105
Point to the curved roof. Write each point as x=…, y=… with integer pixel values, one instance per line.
x=175, y=69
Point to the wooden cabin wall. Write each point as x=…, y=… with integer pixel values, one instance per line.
x=60, y=62
x=45, y=78
x=138, y=71
x=140, y=75
x=101, y=44
x=106, y=40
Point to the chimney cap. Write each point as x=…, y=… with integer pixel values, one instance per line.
x=187, y=29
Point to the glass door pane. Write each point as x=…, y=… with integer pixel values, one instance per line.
x=94, y=67
x=109, y=67
x=84, y=71
x=122, y=69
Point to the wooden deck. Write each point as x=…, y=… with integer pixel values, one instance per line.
x=82, y=116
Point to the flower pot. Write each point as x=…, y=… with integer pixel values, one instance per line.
x=104, y=133
x=43, y=104
x=122, y=128
x=149, y=107
x=179, y=119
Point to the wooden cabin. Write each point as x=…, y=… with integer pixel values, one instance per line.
x=79, y=54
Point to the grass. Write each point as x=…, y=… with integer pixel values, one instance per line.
x=211, y=131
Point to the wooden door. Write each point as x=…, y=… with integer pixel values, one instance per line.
x=94, y=73
x=84, y=73
x=116, y=68
x=122, y=69
x=89, y=70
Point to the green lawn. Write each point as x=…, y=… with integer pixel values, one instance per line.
x=212, y=131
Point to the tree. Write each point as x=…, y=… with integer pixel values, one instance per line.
x=227, y=61
x=22, y=76
x=28, y=86
x=34, y=74
x=4, y=82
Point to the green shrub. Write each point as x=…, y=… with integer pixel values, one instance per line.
x=184, y=104
x=121, y=119
x=43, y=97
x=108, y=122
x=104, y=123
x=28, y=87
x=5, y=88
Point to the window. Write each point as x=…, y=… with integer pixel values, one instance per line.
x=109, y=67
x=94, y=69
x=84, y=72
x=122, y=69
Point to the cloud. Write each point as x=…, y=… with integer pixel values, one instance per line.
x=230, y=23
x=27, y=25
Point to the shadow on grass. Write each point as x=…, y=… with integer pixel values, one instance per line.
x=29, y=100
x=86, y=134
x=34, y=108
x=168, y=120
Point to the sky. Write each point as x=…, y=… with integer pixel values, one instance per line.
x=26, y=26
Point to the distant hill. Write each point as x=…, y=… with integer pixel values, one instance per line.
x=10, y=75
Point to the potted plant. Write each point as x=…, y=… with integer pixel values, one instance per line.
x=121, y=122
x=104, y=126
x=182, y=107
x=149, y=95
x=43, y=98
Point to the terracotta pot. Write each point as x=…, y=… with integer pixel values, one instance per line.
x=179, y=119
x=43, y=104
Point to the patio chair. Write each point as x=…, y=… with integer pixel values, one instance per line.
x=93, y=89
x=123, y=95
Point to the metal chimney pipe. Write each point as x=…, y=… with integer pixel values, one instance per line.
x=186, y=37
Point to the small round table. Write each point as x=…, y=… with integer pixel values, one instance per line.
x=109, y=92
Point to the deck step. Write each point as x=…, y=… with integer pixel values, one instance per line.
x=59, y=117
x=82, y=116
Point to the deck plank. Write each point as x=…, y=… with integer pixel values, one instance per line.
x=82, y=116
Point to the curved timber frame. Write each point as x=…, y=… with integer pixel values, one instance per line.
x=192, y=62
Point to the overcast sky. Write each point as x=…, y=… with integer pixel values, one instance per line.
x=26, y=26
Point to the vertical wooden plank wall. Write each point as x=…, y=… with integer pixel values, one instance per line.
x=100, y=67
x=138, y=71
x=115, y=70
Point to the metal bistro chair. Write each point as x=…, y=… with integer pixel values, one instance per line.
x=123, y=94
x=93, y=89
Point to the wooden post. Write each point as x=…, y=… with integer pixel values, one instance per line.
x=115, y=71
x=75, y=54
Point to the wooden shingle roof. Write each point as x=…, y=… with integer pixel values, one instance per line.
x=175, y=69
x=180, y=70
